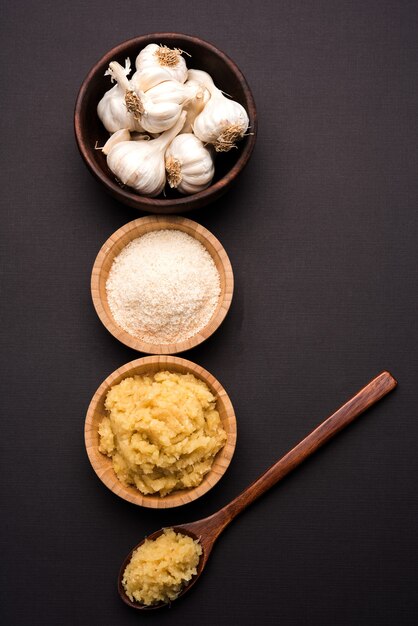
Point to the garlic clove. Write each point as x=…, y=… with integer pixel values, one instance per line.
x=160, y=117
x=172, y=91
x=149, y=77
x=199, y=166
x=117, y=137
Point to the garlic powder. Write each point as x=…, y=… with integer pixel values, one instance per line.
x=163, y=287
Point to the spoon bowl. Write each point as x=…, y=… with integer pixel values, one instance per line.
x=207, y=530
x=195, y=530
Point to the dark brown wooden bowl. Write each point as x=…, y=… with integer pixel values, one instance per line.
x=89, y=129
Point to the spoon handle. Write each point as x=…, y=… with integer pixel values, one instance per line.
x=366, y=397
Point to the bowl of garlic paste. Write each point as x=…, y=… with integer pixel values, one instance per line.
x=160, y=431
x=166, y=122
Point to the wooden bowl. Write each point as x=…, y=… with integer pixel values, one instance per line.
x=102, y=464
x=89, y=130
x=113, y=246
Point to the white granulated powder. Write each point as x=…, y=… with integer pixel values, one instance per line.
x=163, y=287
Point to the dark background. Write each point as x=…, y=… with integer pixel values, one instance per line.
x=322, y=234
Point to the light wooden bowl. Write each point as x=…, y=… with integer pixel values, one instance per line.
x=113, y=246
x=102, y=464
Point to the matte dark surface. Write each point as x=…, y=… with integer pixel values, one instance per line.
x=322, y=234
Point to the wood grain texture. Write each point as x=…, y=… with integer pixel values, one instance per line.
x=366, y=397
x=89, y=130
x=115, y=244
x=207, y=530
x=102, y=464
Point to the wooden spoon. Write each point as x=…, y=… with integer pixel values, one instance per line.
x=207, y=530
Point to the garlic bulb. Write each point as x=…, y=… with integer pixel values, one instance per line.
x=189, y=164
x=137, y=111
x=113, y=109
x=155, y=57
x=140, y=164
x=223, y=121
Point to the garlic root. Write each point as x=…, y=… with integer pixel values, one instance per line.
x=168, y=56
x=173, y=169
x=189, y=164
